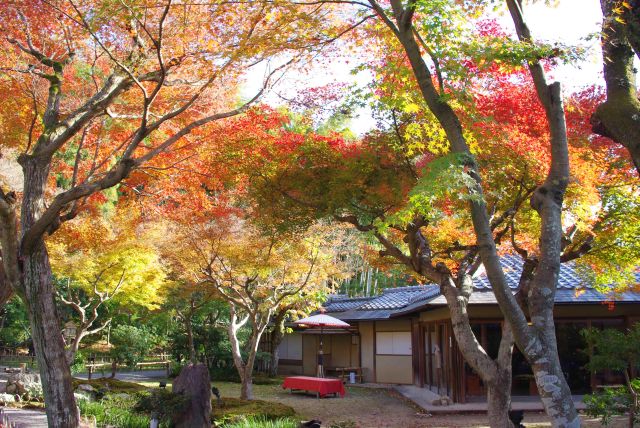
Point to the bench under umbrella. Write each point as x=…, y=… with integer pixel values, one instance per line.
x=322, y=321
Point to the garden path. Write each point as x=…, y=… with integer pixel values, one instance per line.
x=23, y=418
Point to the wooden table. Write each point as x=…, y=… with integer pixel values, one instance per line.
x=343, y=372
x=321, y=386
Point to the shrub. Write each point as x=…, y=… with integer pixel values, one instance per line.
x=224, y=374
x=130, y=344
x=165, y=404
x=618, y=351
x=175, y=369
x=230, y=374
x=79, y=363
x=614, y=401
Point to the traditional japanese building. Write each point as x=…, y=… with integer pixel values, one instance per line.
x=404, y=335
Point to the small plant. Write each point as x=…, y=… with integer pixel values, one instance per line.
x=262, y=422
x=108, y=414
x=34, y=393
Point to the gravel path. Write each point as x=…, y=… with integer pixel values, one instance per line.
x=381, y=408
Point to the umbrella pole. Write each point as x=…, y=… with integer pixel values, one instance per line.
x=321, y=356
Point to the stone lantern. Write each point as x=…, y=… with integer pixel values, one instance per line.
x=69, y=332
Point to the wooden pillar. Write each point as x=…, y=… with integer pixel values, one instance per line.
x=429, y=355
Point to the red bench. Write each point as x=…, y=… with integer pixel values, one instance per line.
x=321, y=386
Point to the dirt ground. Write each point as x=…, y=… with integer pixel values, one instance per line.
x=368, y=408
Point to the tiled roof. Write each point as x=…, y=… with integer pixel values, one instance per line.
x=356, y=315
x=572, y=288
x=589, y=295
x=396, y=298
x=341, y=303
x=569, y=277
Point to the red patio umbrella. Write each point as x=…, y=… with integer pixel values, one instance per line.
x=322, y=321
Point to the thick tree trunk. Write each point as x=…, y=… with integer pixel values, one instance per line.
x=542, y=355
x=619, y=116
x=277, y=334
x=39, y=293
x=47, y=340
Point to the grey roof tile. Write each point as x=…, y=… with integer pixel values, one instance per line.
x=396, y=298
x=345, y=303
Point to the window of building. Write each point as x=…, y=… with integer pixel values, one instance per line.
x=393, y=343
x=291, y=347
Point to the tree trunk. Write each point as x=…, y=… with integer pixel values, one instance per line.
x=499, y=403
x=554, y=391
x=499, y=392
x=277, y=334
x=192, y=348
x=234, y=326
x=5, y=288
x=245, y=369
x=47, y=341
x=39, y=293
x=275, y=359
x=618, y=117
x=496, y=374
x=246, y=390
x=634, y=399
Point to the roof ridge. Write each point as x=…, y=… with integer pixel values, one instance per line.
x=404, y=288
x=343, y=297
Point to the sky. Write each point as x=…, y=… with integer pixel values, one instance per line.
x=569, y=22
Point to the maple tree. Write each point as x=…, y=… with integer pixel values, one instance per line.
x=105, y=91
x=106, y=259
x=255, y=273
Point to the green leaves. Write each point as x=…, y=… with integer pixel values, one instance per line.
x=443, y=182
x=614, y=349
